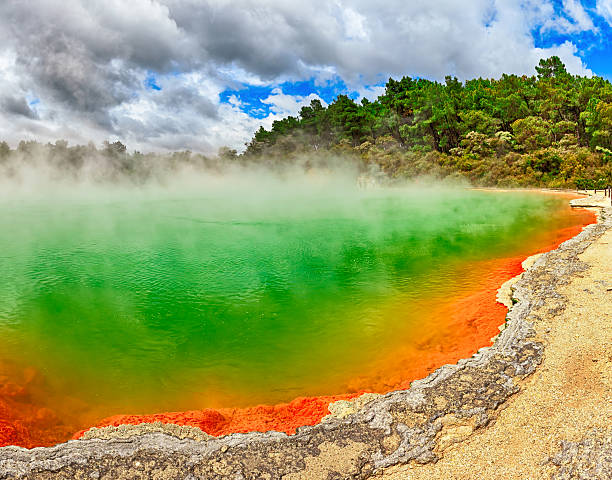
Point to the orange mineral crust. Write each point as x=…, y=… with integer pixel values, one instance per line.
x=285, y=417
x=23, y=422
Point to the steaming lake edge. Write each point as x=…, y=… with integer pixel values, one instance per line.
x=461, y=242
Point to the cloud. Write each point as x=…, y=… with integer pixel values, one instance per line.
x=572, y=18
x=364, y=41
x=581, y=20
x=355, y=24
x=282, y=104
x=91, y=62
x=604, y=9
x=17, y=106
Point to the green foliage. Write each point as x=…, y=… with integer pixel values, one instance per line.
x=547, y=161
x=532, y=132
x=227, y=154
x=585, y=183
x=551, y=67
x=114, y=149
x=480, y=121
x=4, y=150
x=511, y=131
x=598, y=120
x=607, y=154
x=112, y=162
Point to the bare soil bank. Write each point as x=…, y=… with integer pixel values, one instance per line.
x=463, y=421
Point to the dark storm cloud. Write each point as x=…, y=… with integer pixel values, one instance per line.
x=268, y=39
x=70, y=46
x=64, y=68
x=17, y=106
x=139, y=32
x=179, y=98
x=66, y=64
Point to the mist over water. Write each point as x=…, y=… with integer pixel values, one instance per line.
x=230, y=290
x=181, y=282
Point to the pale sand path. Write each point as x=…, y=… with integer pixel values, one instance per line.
x=569, y=394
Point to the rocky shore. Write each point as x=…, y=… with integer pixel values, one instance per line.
x=403, y=434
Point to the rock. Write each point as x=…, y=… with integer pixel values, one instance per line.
x=589, y=458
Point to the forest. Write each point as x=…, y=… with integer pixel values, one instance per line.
x=552, y=129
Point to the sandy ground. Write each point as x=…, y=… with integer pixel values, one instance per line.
x=569, y=394
x=593, y=200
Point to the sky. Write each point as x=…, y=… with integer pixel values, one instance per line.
x=196, y=75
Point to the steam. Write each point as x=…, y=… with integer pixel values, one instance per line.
x=33, y=165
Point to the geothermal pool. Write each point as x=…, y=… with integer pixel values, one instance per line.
x=155, y=299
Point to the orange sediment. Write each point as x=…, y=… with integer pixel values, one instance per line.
x=285, y=417
x=23, y=422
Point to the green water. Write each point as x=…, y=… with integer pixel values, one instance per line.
x=168, y=297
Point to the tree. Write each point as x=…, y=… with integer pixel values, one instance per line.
x=479, y=121
x=551, y=67
x=531, y=132
x=114, y=149
x=5, y=150
x=598, y=119
x=346, y=120
x=227, y=153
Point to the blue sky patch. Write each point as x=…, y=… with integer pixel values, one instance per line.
x=594, y=47
x=151, y=82
x=251, y=97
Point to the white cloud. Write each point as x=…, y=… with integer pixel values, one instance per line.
x=87, y=60
x=574, y=18
x=604, y=8
x=582, y=20
x=354, y=23
x=282, y=104
x=371, y=92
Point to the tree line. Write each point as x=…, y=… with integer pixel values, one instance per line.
x=550, y=129
x=110, y=163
